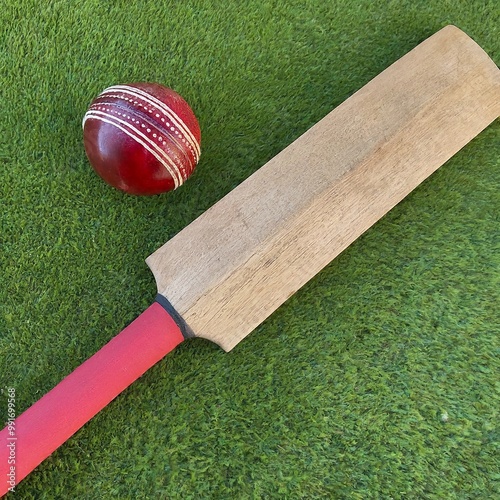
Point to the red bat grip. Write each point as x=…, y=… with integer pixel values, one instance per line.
x=43, y=427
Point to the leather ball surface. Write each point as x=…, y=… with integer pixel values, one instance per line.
x=142, y=138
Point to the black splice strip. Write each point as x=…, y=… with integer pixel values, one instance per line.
x=183, y=326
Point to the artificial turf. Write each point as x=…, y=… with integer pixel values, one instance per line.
x=379, y=379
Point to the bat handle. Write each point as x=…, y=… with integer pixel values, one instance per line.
x=43, y=427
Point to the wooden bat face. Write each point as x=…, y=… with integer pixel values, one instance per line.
x=257, y=246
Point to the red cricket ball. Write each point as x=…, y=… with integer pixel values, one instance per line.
x=142, y=138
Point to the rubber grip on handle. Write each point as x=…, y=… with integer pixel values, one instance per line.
x=43, y=427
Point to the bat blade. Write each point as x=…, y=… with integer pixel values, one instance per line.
x=259, y=244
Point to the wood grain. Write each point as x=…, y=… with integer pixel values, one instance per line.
x=259, y=244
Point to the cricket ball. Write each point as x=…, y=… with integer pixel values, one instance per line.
x=142, y=138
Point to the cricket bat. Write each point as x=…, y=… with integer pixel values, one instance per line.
x=260, y=243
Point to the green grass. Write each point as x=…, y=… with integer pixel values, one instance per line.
x=379, y=379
